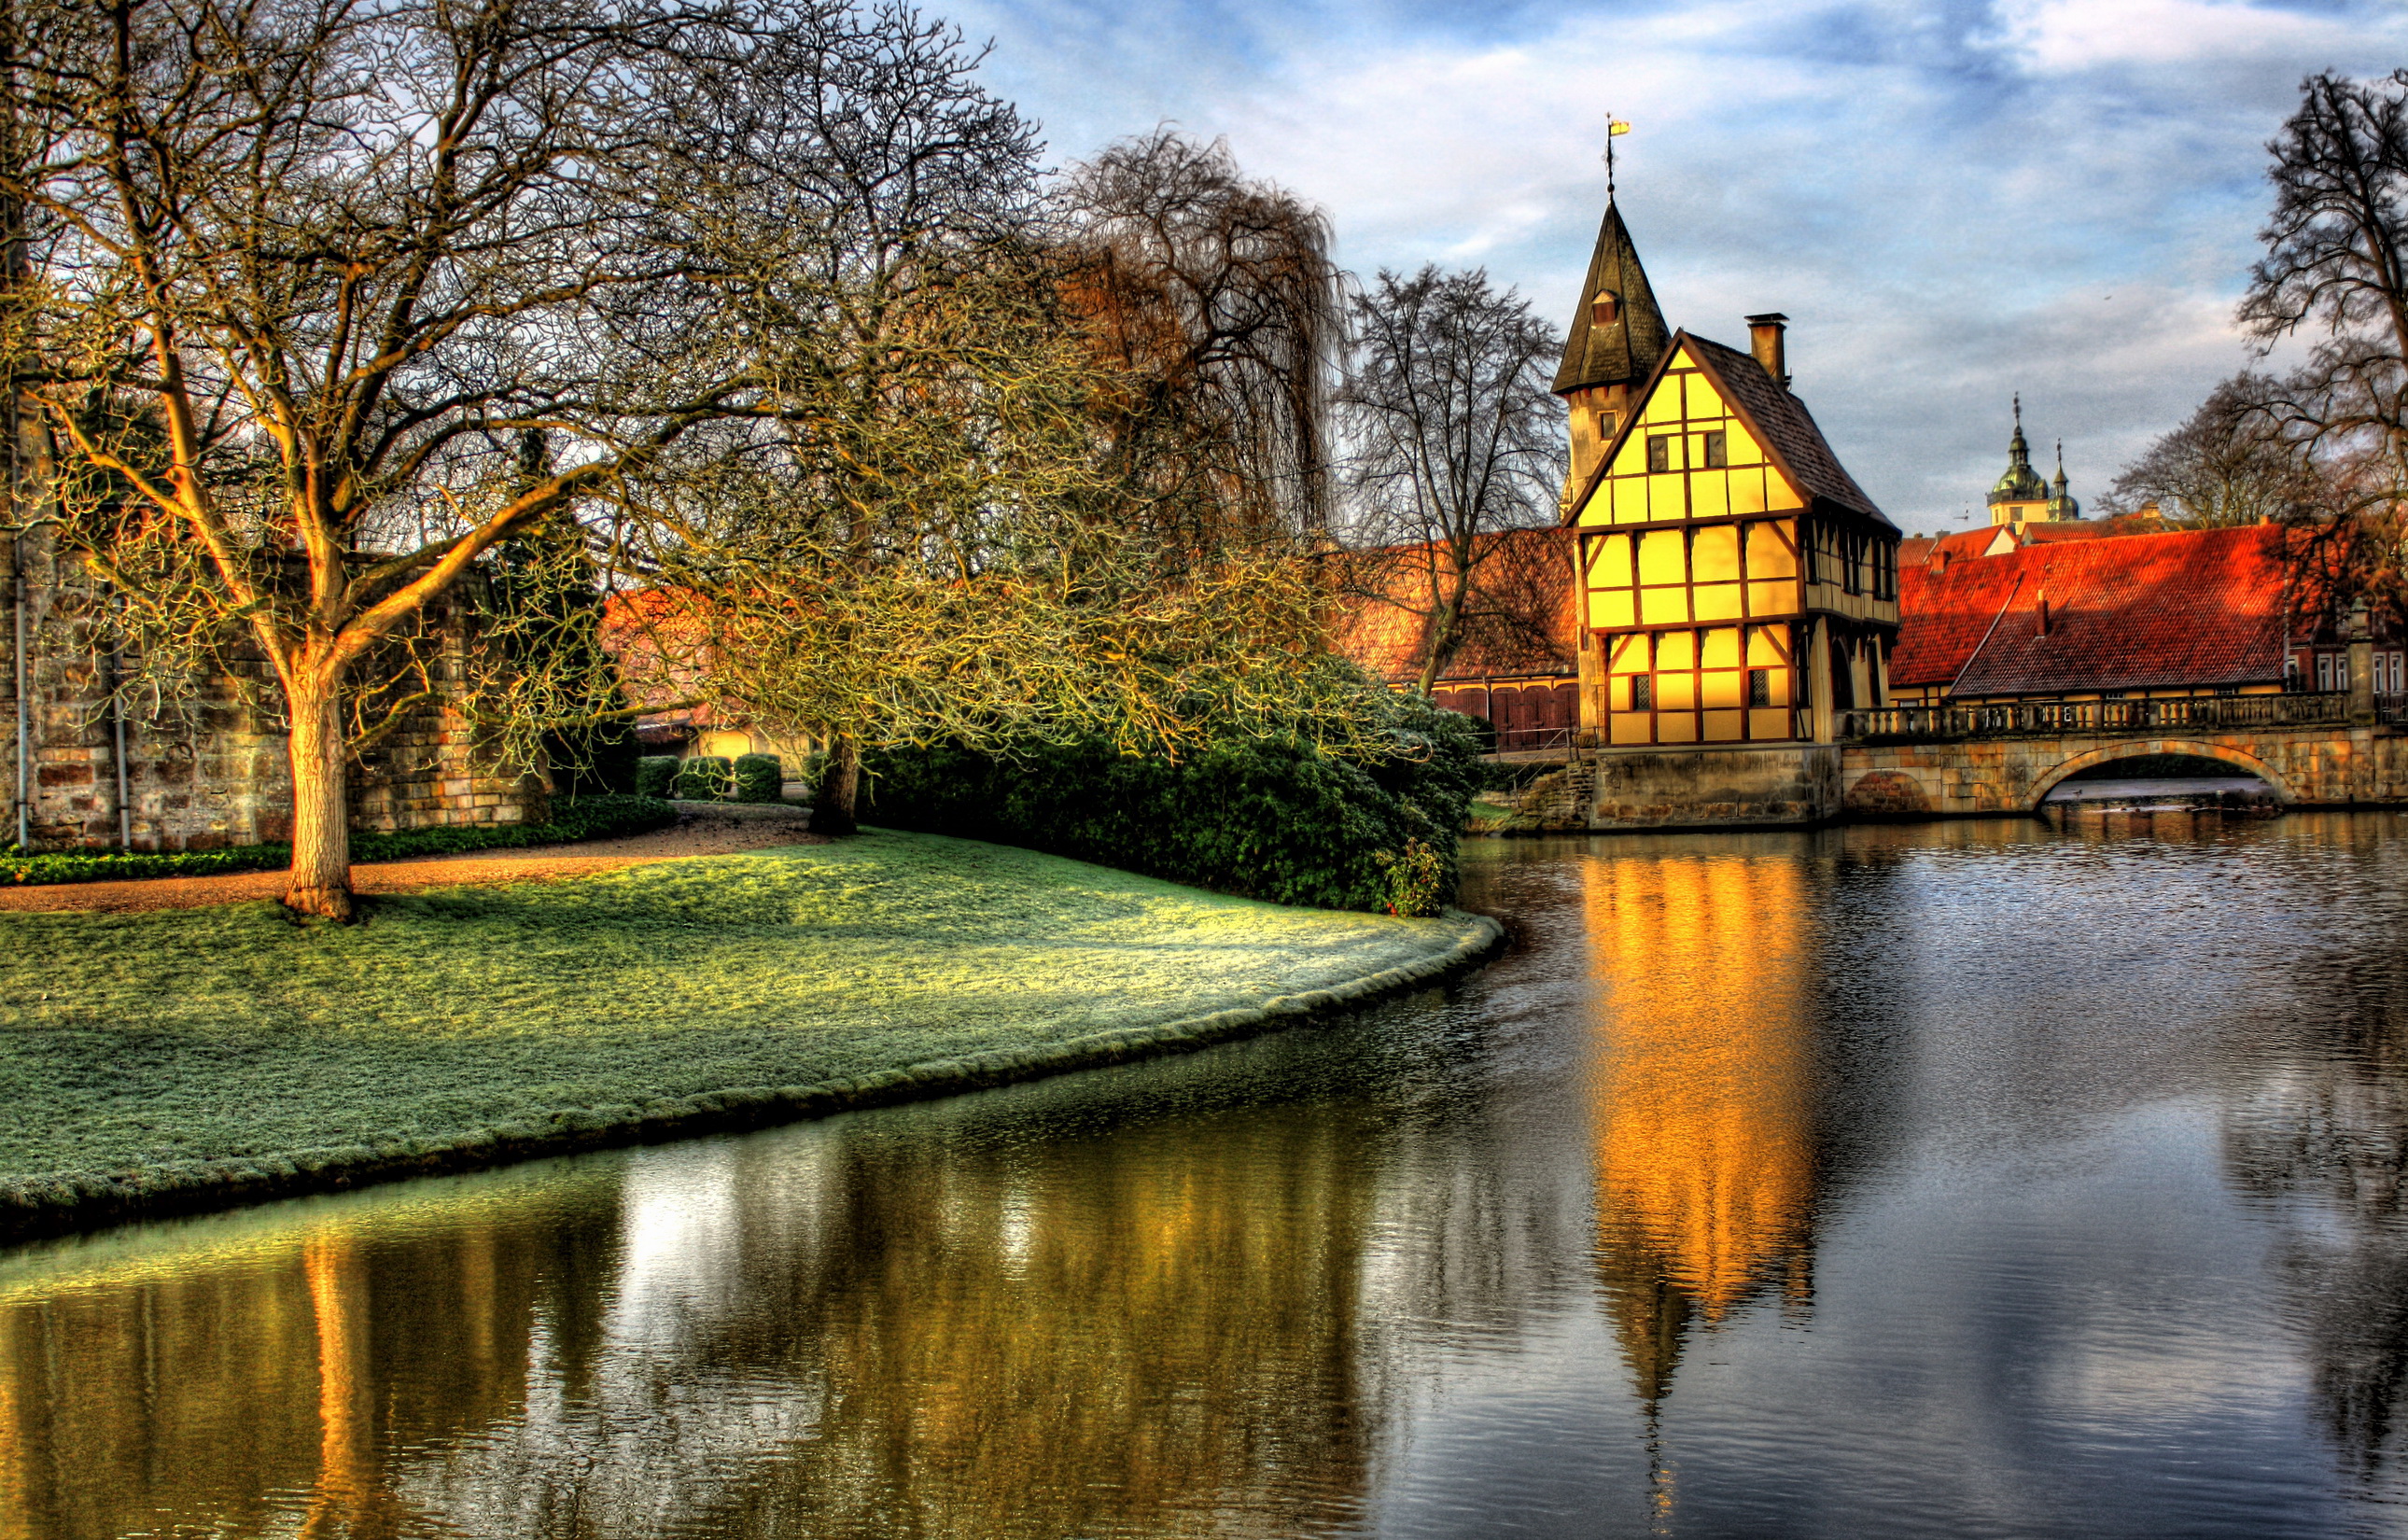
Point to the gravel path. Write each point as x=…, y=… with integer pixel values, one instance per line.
x=714, y=832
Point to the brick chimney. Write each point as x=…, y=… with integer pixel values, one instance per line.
x=1765, y=334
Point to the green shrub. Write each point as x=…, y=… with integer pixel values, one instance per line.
x=1416, y=879
x=759, y=778
x=1278, y=820
x=655, y=774
x=705, y=778
x=602, y=817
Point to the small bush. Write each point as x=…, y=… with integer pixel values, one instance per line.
x=602, y=817
x=1416, y=879
x=1278, y=820
x=655, y=774
x=705, y=778
x=759, y=778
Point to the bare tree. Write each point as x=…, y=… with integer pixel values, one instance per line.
x=342, y=257
x=2336, y=266
x=955, y=527
x=1456, y=438
x=2337, y=260
x=1213, y=297
x=2230, y=464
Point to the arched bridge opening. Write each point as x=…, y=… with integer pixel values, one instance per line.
x=2158, y=767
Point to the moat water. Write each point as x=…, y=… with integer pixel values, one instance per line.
x=1976, y=1179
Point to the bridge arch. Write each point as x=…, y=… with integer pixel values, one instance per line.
x=2143, y=747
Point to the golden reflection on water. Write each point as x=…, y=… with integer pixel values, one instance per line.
x=1700, y=1089
x=839, y=1335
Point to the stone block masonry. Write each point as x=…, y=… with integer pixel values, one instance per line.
x=2316, y=764
x=212, y=774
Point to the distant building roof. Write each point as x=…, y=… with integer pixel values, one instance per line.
x=2001, y=540
x=1521, y=623
x=2195, y=608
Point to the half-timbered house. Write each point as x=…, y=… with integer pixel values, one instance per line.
x=1738, y=588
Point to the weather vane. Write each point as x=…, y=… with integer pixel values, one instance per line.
x=1614, y=129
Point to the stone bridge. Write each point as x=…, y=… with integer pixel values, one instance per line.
x=2314, y=749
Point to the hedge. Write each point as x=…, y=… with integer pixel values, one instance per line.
x=704, y=778
x=656, y=775
x=759, y=778
x=582, y=818
x=1278, y=820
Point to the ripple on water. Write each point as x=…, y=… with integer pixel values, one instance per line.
x=1963, y=1179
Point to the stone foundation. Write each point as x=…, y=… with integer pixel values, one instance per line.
x=2325, y=766
x=1716, y=788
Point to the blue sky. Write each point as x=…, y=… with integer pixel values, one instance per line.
x=1953, y=200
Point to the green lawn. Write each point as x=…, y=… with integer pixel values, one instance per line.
x=145, y=1052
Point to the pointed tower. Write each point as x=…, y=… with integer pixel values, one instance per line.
x=1615, y=340
x=2020, y=497
x=2061, y=505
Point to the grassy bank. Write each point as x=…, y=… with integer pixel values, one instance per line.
x=193, y=1057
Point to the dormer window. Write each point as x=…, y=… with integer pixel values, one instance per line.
x=1603, y=309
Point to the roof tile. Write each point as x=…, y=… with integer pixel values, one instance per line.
x=2189, y=608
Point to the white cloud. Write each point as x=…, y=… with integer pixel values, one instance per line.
x=2062, y=36
x=1954, y=202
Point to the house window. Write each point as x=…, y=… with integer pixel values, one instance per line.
x=2397, y=681
x=1851, y=571
x=1659, y=451
x=1759, y=686
x=1642, y=693
x=1606, y=422
x=1717, y=451
x=2325, y=671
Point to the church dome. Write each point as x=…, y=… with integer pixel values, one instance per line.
x=2021, y=484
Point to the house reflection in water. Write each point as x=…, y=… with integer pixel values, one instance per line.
x=1702, y=1093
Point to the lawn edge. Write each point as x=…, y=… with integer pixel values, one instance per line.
x=56, y=1203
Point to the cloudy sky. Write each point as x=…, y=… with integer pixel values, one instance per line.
x=1952, y=199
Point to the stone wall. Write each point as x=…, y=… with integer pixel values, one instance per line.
x=2327, y=766
x=1716, y=788
x=215, y=774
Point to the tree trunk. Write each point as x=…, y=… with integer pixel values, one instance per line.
x=322, y=829
x=833, y=810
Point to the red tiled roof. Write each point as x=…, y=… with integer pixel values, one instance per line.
x=2190, y=609
x=1962, y=545
x=1522, y=622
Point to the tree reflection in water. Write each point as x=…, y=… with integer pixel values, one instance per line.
x=2317, y=1135
x=1890, y=1181
x=1148, y=1333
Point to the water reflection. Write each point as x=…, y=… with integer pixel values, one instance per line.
x=1970, y=1179
x=2316, y=1136
x=1701, y=1093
